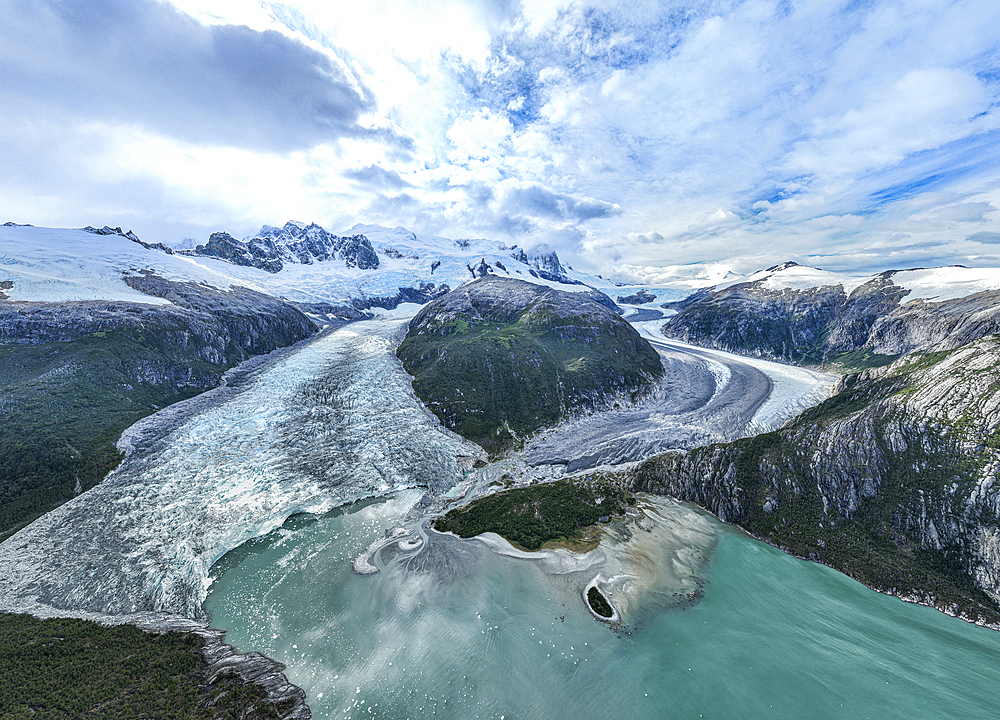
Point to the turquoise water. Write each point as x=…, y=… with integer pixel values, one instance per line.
x=461, y=632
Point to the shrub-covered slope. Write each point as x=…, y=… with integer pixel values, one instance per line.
x=528, y=517
x=892, y=480
x=497, y=358
x=62, y=669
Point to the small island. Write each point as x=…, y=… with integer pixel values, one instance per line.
x=598, y=603
x=557, y=514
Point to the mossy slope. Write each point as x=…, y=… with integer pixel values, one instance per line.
x=73, y=376
x=531, y=516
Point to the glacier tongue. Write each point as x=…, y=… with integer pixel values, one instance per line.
x=333, y=422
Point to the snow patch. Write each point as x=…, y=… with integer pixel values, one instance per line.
x=946, y=283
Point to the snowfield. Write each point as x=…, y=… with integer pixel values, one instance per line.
x=58, y=265
x=946, y=283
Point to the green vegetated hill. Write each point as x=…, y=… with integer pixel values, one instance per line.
x=891, y=480
x=529, y=517
x=497, y=359
x=65, y=669
x=73, y=376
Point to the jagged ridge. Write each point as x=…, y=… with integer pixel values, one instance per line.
x=825, y=324
x=272, y=247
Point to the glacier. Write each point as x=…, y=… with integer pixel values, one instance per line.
x=323, y=425
x=707, y=396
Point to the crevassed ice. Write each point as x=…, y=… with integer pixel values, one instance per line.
x=334, y=422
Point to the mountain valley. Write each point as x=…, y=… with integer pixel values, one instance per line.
x=295, y=372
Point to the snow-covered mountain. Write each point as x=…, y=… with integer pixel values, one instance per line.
x=369, y=266
x=931, y=284
x=804, y=314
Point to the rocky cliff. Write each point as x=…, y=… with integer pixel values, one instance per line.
x=272, y=248
x=76, y=374
x=545, y=266
x=892, y=480
x=873, y=324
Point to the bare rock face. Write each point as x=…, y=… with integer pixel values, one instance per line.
x=892, y=480
x=545, y=266
x=852, y=327
x=640, y=298
x=289, y=701
x=423, y=293
x=222, y=245
x=753, y=319
x=272, y=248
x=820, y=324
x=936, y=326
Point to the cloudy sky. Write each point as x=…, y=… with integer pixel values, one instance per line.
x=633, y=137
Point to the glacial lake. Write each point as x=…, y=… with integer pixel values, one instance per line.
x=476, y=634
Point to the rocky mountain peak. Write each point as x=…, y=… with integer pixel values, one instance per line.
x=549, y=262
x=295, y=243
x=783, y=266
x=106, y=230
x=545, y=266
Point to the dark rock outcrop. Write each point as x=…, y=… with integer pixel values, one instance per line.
x=272, y=248
x=481, y=270
x=222, y=245
x=422, y=294
x=640, y=298
x=545, y=266
x=289, y=701
x=106, y=230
